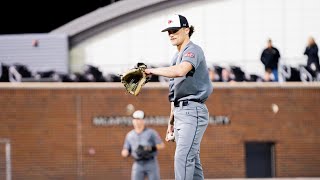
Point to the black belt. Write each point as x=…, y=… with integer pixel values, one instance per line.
x=184, y=102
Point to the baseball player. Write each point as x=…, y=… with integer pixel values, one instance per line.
x=142, y=144
x=189, y=88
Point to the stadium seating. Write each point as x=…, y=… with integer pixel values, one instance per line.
x=21, y=73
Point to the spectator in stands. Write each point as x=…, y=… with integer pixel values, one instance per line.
x=215, y=73
x=270, y=58
x=212, y=74
x=17, y=72
x=312, y=53
x=237, y=74
x=4, y=73
x=93, y=74
x=226, y=75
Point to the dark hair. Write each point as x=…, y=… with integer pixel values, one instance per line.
x=191, y=30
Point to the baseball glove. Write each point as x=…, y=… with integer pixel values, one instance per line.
x=145, y=152
x=134, y=79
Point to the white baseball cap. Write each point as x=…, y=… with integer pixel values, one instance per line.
x=176, y=22
x=138, y=114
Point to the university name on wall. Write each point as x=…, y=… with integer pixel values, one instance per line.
x=149, y=120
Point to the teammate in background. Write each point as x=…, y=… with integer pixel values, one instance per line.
x=142, y=144
x=189, y=88
x=270, y=59
x=312, y=53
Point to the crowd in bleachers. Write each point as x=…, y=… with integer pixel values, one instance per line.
x=308, y=72
x=286, y=73
x=270, y=58
x=21, y=73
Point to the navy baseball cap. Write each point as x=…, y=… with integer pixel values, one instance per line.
x=175, y=22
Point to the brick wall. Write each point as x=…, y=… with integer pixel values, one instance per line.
x=52, y=135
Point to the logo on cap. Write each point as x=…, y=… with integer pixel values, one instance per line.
x=176, y=21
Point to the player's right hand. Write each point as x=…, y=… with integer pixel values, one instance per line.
x=170, y=134
x=125, y=153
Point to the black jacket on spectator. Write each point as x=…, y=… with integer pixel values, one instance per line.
x=4, y=73
x=270, y=58
x=312, y=53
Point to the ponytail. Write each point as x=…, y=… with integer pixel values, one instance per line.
x=191, y=30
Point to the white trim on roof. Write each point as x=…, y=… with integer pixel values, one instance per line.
x=111, y=15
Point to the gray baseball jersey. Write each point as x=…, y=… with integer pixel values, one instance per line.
x=196, y=85
x=148, y=137
x=191, y=118
x=140, y=168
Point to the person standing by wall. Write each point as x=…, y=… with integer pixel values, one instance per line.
x=142, y=144
x=312, y=53
x=270, y=59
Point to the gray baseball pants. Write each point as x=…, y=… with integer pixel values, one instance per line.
x=190, y=123
x=142, y=169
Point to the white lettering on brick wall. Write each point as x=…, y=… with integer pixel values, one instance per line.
x=149, y=120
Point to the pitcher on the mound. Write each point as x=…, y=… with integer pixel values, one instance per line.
x=189, y=88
